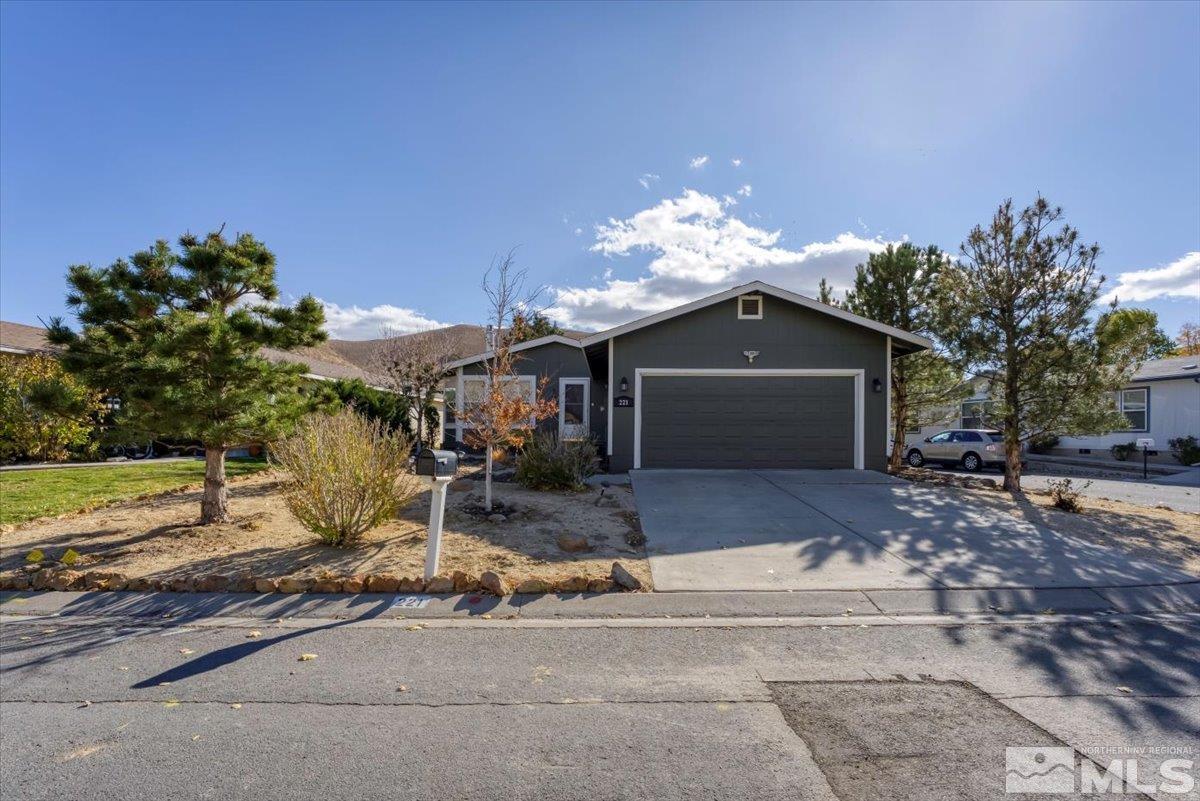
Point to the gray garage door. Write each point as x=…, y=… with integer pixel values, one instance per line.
x=738, y=422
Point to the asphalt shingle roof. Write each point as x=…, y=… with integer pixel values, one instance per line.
x=1173, y=367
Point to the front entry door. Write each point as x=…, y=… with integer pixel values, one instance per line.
x=573, y=408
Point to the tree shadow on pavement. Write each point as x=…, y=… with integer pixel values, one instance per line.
x=213, y=660
x=49, y=640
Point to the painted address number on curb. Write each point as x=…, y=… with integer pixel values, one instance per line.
x=412, y=601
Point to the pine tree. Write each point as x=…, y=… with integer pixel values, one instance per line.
x=1017, y=305
x=176, y=336
x=825, y=294
x=896, y=287
x=532, y=325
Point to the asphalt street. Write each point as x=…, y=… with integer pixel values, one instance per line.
x=153, y=708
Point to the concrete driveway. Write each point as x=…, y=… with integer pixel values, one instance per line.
x=848, y=529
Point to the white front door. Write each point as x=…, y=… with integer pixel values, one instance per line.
x=573, y=407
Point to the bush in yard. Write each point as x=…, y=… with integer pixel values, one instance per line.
x=45, y=413
x=375, y=404
x=345, y=474
x=1185, y=449
x=548, y=462
x=1043, y=444
x=1123, y=452
x=1065, y=496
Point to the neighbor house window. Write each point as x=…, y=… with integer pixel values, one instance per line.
x=1135, y=405
x=976, y=414
x=750, y=307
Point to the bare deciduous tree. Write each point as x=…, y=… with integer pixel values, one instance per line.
x=413, y=366
x=504, y=415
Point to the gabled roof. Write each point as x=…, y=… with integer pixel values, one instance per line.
x=551, y=339
x=919, y=342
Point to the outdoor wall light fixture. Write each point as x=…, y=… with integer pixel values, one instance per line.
x=624, y=384
x=876, y=385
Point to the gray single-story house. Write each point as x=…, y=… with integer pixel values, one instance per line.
x=752, y=377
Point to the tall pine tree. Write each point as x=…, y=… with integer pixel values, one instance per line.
x=1018, y=305
x=896, y=287
x=177, y=337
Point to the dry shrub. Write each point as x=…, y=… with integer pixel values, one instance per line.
x=345, y=474
x=1064, y=495
x=548, y=462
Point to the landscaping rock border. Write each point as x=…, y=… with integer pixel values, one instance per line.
x=55, y=576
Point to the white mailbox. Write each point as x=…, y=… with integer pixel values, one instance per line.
x=1145, y=443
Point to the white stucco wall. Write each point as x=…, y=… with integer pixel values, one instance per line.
x=1174, y=412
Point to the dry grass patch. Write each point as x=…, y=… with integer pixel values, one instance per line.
x=158, y=538
x=1164, y=535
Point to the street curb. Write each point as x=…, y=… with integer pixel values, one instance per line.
x=850, y=604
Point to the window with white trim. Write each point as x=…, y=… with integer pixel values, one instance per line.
x=750, y=307
x=475, y=387
x=1135, y=405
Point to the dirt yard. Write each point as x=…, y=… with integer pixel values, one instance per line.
x=1150, y=533
x=158, y=538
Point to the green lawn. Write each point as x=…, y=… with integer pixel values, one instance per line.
x=26, y=494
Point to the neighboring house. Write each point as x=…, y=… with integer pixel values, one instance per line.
x=1161, y=401
x=752, y=377
x=973, y=412
x=23, y=340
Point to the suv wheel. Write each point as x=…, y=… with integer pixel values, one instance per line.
x=915, y=459
x=972, y=463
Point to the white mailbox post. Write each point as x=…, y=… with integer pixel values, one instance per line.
x=437, y=512
x=438, y=468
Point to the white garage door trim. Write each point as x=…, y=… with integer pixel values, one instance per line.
x=859, y=396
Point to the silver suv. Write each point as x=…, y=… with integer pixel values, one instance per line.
x=970, y=448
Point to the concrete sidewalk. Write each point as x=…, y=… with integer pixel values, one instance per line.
x=613, y=606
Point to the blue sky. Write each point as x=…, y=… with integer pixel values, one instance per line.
x=637, y=155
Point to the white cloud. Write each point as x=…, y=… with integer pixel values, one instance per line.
x=578, y=231
x=736, y=162
x=354, y=322
x=649, y=178
x=697, y=248
x=745, y=190
x=1179, y=279
x=698, y=162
